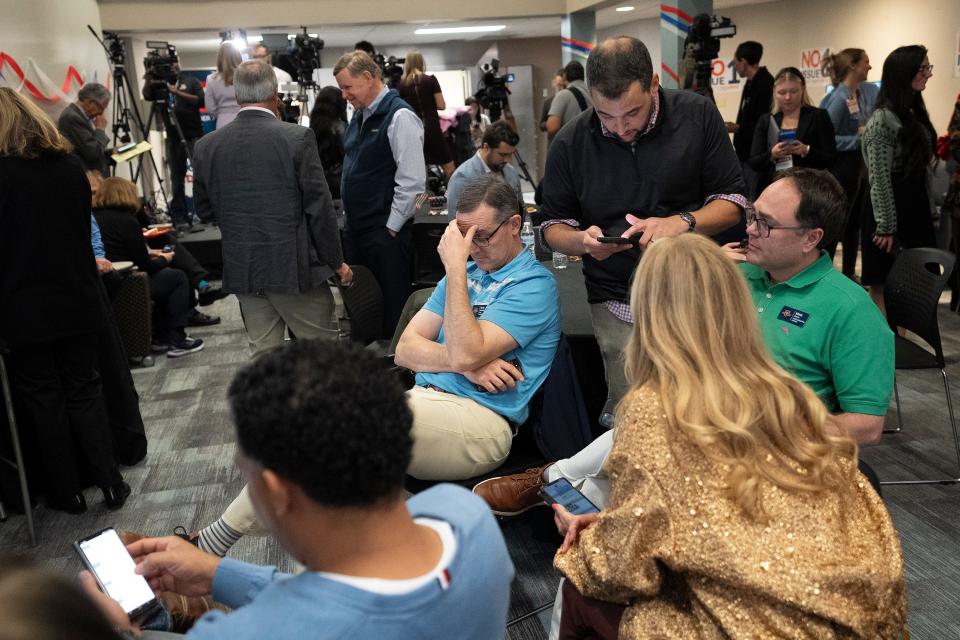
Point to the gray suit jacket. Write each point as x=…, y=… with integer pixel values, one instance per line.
x=262, y=180
x=89, y=144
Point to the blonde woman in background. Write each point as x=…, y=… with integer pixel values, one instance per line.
x=422, y=92
x=734, y=512
x=221, y=97
x=850, y=104
x=812, y=143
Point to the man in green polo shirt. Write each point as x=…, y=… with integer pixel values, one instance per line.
x=818, y=324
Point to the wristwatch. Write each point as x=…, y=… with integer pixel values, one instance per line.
x=687, y=217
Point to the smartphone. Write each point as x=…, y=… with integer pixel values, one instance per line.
x=515, y=362
x=564, y=493
x=108, y=560
x=634, y=240
x=789, y=135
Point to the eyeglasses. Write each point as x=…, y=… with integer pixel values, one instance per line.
x=484, y=242
x=764, y=227
x=926, y=69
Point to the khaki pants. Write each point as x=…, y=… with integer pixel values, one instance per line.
x=308, y=315
x=454, y=437
x=612, y=334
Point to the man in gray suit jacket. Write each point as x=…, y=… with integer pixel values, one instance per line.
x=262, y=180
x=90, y=142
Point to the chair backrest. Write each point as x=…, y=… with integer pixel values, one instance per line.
x=558, y=415
x=428, y=268
x=912, y=293
x=363, y=301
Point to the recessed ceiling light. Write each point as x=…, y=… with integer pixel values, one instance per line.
x=627, y=8
x=478, y=29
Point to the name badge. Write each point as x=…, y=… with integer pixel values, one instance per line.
x=478, y=310
x=852, y=106
x=794, y=316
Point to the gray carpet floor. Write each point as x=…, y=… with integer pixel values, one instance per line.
x=189, y=477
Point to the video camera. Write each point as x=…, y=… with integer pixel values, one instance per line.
x=703, y=45
x=391, y=68
x=115, y=48
x=159, y=66
x=493, y=93
x=304, y=55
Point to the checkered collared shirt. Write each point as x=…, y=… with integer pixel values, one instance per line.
x=622, y=309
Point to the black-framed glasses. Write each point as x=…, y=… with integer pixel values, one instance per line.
x=485, y=241
x=926, y=69
x=764, y=227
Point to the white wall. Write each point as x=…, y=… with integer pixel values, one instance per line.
x=879, y=26
x=46, y=37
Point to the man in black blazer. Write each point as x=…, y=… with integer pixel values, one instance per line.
x=83, y=124
x=262, y=179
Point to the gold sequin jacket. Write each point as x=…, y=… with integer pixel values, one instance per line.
x=673, y=546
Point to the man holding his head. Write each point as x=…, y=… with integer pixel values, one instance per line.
x=84, y=125
x=383, y=172
x=323, y=440
x=494, y=156
x=262, y=179
x=483, y=343
x=644, y=162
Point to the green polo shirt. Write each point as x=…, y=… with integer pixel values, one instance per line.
x=824, y=329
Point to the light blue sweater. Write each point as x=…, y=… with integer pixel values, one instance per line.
x=270, y=604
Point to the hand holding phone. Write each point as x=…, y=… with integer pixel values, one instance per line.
x=565, y=494
x=104, y=554
x=632, y=240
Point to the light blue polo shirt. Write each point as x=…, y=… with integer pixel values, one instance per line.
x=823, y=328
x=521, y=298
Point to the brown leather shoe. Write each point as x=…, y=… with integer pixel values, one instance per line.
x=512, y=495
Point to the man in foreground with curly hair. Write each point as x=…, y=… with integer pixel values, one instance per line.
x=323, y=443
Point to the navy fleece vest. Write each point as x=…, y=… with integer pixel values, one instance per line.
x=368, y=168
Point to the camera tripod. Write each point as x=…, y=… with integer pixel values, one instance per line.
x=125, y=110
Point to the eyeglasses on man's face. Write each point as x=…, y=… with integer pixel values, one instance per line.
x=764, y=227
x=484, y=241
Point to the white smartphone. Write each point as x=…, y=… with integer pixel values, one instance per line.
x=107, y=558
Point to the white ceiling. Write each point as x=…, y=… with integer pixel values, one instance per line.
x=385, y=35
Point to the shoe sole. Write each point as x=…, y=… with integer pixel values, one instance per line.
x=177, y=353
x=507, y=514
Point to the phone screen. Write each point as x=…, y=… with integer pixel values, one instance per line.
x=790, y=135
x=564, y=493
x=108, y=560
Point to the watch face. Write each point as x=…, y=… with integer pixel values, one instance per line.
x=689, y=219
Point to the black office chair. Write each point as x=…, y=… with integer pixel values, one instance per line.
x=363, y=302
x=911, y=296
x=17, y=462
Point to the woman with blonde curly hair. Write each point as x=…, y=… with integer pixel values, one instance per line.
x=734, y=511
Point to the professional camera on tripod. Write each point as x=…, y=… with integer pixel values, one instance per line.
x=304, y=55
x=701, y=47
x=159, y=64
x=493, y=94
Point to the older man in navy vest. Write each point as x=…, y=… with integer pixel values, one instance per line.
x=383, y=171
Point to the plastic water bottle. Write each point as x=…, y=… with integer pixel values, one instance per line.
x=527, y=239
